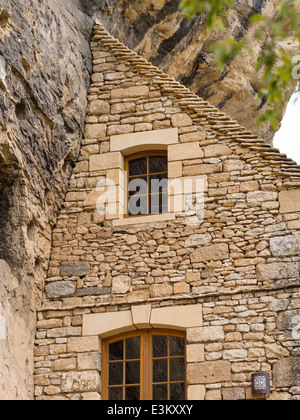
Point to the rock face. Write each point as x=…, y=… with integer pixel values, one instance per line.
x=45, y=65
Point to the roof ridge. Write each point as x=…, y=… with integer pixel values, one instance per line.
x=221, y=124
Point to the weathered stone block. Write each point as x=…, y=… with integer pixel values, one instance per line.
x=85, y=381
x=161, y=290
x=184, y=151
x=208, y=372
x=95, y=131
x=60, y=289
x=106, y=161
x=93, y=291
x=215, y=150
x=64, y=365
x=277, y=271
x=198, y=239
x=235, y=354
x=261, y=196
x=248, y=186
x=174, y=170
x=74, y=268
x=83, y=344
x=120, y=129
x=289, y=321
x=289, y=201
x=211, y=253
x=285, y=245
x=234, y=394
x=234, y=165
x=181, y=120
x=195, y=353
x=121, y=108
x=132, y=92
x=75, y=196
x=203, y=169
x=89, y=361
x=194, y=136
x=99, y=107
x=205, y=334
x=196, y=392
x=286, y=372
x=121, y=284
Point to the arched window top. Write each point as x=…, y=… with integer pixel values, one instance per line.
x=146, y=365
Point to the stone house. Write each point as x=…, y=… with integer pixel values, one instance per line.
x=186, y=297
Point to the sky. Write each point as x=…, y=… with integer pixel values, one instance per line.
x=287, y=139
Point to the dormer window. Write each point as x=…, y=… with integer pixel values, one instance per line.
x=147, y=183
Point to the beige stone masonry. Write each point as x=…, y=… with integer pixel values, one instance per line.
x=289, y=201
x=141, y=220
x=174, y=169
x=132, y=92
x=95, y=131
x=208, y=372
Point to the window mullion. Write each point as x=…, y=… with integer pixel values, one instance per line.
x=147, y=379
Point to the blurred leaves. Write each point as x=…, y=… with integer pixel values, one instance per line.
x=276, y=66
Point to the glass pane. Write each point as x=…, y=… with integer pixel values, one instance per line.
x=132, y=393
x=115, y=373
x=160, y=370
x=160, y=392
x=177, y=391
x=138, y=205
x=133, y=348
x=177, y=369
x=138, y=167
x=116, y=351
x=160, y=345
x=177, y=346
x=158, y=164
x=115, y=394
x=158, y=203
x=158, y=184
x=132, y=372
x=138, y=186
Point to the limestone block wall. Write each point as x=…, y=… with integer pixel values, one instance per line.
x=239, y=263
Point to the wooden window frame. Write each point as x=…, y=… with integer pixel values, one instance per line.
x=146, y=360
x=141, y=155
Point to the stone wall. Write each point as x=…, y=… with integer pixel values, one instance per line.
x=45, y=68
x=240, y=263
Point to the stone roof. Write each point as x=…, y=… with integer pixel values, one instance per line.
x=252, y=149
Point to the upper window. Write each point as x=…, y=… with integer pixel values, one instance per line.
x=149, y=365
x=147, y=186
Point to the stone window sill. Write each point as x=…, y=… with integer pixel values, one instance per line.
x=141, y=220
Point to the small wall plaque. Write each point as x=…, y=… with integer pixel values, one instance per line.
x=260, y=383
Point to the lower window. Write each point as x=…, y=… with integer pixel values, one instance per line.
x=149, y=365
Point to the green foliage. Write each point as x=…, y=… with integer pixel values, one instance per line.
x=212, y=8
x=275, y=65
